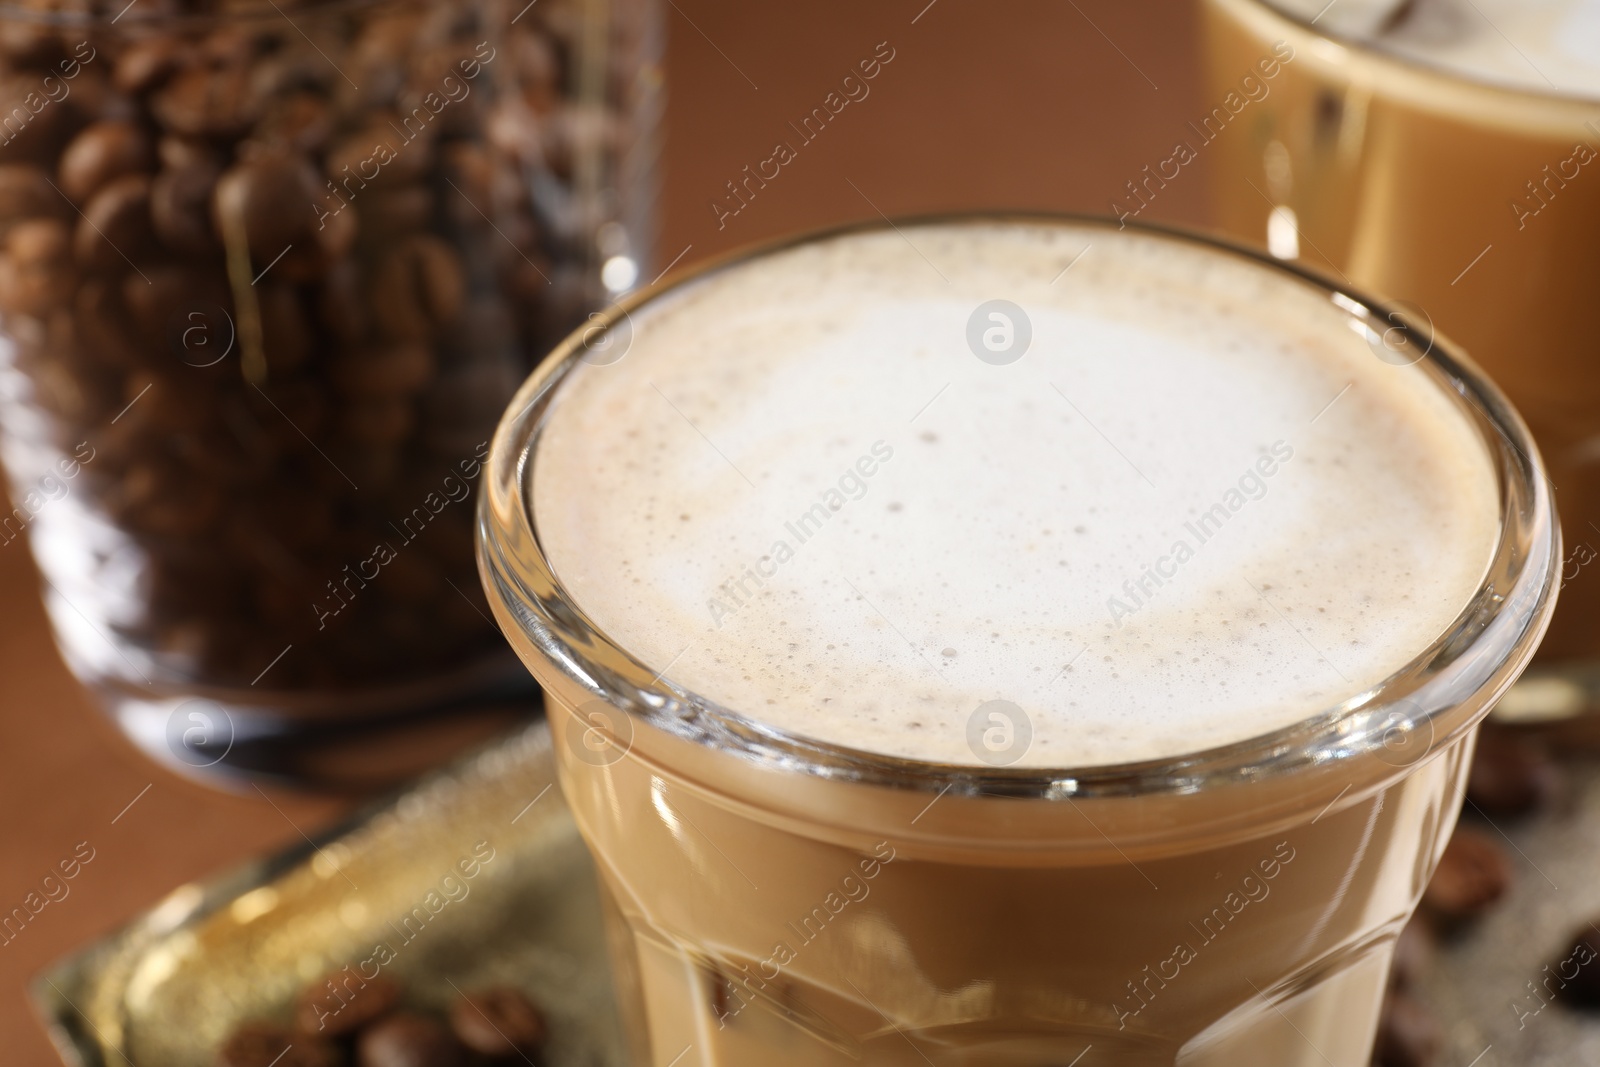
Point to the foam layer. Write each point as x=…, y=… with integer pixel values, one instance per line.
x=1196, y=510
x=1543, y=45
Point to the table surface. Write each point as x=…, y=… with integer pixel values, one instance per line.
x=1022, y=104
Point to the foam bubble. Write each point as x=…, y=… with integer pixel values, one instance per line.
x=1197, y=509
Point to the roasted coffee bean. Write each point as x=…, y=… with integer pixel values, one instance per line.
x=332, y=238
x=28, y=40
x=406, y=1040
x=103, y=151
x=1473, y=873
x=37, y=276
x=271, y=200
x=500, y=1022
x=371, y=58
x=1409, y=1034
x=1511, y=775
x=25, y=194
x=263, y=1045
x=146, y=63
x=472, y=171
x=419, y=287
x=535, y=60
x=230, y=45
x=180, y=207
x=394, y=212
x=389, y=370
x=94, y=97
x=301, y=122
x=341, y=1004
x=284, y=73
x=115, y=229
x=176, y=153
x=205, y=102
x=1577, y=971
x=32, y=136
x=384, y=153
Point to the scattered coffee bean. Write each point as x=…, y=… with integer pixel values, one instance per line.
x=1578, y=969
x=265, y=1045
x=1511, y=774
x=1409, y=1035
x=407, y=1040
x=1473, y=873
x=499, y=1022
x=336, y=1007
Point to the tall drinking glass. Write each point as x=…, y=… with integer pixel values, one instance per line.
x=987, y=845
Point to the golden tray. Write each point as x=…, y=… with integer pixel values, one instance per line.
x=171, y=986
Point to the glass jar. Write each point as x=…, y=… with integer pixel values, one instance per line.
x=269, y=272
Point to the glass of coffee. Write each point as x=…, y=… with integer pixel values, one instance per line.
x=984, y=640
x=1438, y=152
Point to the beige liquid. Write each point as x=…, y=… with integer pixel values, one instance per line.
x=767, y=917
x=1448, y=156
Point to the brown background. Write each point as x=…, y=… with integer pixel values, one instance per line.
x=1042, y=104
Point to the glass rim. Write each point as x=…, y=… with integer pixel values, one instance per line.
x=1419, y=68
x=1441, y=692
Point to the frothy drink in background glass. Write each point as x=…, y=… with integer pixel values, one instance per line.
x=984, y=640
x=1443, y=153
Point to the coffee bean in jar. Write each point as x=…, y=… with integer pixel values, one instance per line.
x=269, y=273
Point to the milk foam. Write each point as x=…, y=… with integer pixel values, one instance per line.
x=1542, y=45
x=802, y=496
